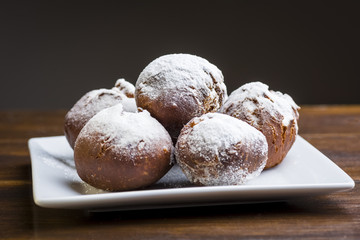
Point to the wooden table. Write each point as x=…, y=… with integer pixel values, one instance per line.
x=334, y=130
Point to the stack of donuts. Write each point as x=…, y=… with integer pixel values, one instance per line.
x=179, y=112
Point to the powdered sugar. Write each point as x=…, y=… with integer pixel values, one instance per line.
x=93, y=102
x=96, y=100
x=218, y=131
x=89, y=105
x=256, y=96
x=99, y=99
x=182, y=73
x=213, y=137
x=125, y=87
x=126, y=130
x=129, y=105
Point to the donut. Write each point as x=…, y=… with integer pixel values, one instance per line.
x=90, y=104
x=271, y=112
x=119, y=150
x=175, y=88
x=217, y=149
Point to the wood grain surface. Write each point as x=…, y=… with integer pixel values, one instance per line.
x=334, y=130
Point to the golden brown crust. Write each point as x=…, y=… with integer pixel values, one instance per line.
x=103, y=168
x=280, y=138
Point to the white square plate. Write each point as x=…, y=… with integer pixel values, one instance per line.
x=304, y=172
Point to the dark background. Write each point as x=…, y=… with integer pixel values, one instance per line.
x=53, y=52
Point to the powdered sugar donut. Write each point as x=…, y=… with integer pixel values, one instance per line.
x=90, y=104
x=217, y=149
x=118, y=150
x=175, y=88
x=273, y=113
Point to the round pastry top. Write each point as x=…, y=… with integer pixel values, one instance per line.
x=182, y=73
x=255, y=98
